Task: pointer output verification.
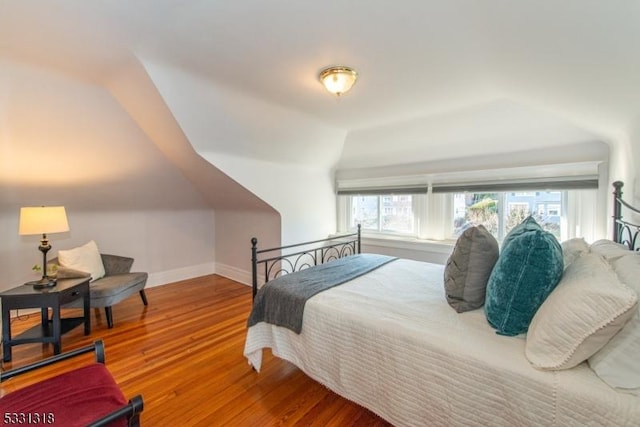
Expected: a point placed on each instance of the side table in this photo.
(48, 331)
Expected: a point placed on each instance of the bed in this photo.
(389, 340)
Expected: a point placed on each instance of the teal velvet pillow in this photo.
(527, 225)
(528, 269)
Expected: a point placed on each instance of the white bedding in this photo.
(390, 342)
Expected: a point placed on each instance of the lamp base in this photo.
(45, 282)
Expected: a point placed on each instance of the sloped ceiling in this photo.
(433, 74)
(55, 144)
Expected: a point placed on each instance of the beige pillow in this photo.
(587, 308)
(572, 249)
(609, 249)
(617, 362)
(627, 268)
(83, 258)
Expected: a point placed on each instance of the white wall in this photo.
(633, 186)
(282, 156)
(234, 231)
(170, 245)
(221, 119)
(67, 142)
(491, 128)
(87, 147)
(303, 196)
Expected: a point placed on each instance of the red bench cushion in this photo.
(74, 398)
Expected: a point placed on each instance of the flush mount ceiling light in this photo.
(338, 80)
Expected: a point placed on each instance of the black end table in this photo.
(49, 331)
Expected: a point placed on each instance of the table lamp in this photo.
(43, 220)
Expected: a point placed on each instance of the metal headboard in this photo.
(624, 232)
(301, 255)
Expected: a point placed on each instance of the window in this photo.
(364, 211)
(518, 209)
(385, 213)
(475, 209)
(486, 209)
(442, 214)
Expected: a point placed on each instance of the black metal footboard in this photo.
(624, 232)
(275, 262)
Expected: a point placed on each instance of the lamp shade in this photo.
(42, 220)
(338, 80)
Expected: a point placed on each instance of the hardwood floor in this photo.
(183, 353)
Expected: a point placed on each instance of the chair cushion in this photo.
(111, 290)
(74, 398)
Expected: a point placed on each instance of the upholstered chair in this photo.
(117, 284)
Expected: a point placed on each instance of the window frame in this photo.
(349, 221)
(433, 216)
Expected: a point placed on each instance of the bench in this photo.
(85, 396)
(117, 284)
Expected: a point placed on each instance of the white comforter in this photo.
(390, 342)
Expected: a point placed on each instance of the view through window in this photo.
(443, 216)
(500, 212)
(389, 213)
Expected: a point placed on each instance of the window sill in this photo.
(409, 243)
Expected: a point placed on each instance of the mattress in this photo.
(390, 342)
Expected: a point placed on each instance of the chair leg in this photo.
(107, 311)
(144, 297)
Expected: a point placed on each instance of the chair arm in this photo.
(132, 411)
(97, 346)
(116, 264)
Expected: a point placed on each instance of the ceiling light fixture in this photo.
(338, 80)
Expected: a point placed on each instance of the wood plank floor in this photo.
(183, 353)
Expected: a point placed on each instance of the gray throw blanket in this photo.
(281, 301)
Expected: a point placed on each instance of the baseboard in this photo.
(234, 273)
(183, 273)
(169, 276)
(163, 278)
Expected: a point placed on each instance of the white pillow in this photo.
(617, 362)
(609, 249)
(587, 308)
(83, 258)
(572, 249)
(627, 268)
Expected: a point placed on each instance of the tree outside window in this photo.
(484, 209)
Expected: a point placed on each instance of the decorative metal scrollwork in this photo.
(286, 263)
(628, 235)
(624, 232)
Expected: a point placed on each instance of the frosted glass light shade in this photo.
(338, 80)
(43, 220)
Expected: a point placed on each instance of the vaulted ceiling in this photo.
(437, 77)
